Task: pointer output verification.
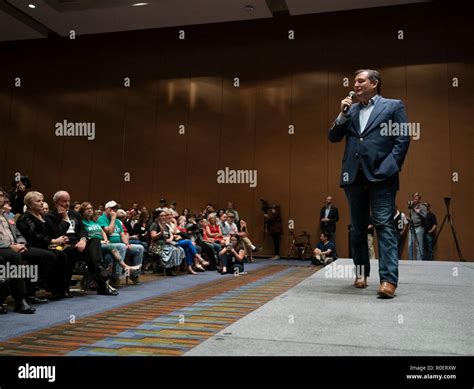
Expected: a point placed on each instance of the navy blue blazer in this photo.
(380, 155)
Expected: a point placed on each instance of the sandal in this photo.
(198, 267)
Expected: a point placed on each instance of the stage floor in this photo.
(432, 314)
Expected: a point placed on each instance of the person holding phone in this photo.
(232, 256)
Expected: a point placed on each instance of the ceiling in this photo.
(18, 21)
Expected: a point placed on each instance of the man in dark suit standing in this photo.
(377, 140)
(328, 217)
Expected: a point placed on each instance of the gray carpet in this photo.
(431, 315)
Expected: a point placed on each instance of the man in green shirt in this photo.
(114, 229)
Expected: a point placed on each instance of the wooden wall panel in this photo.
(169, 166)
(273, 116)
(6, 86)
(23, 118)
(237, 133)
(48, 157)
(205, 121)
(140, 125)
(309, 151)
(106, 164)
(461, 146)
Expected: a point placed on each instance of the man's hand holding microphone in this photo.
(346, 103)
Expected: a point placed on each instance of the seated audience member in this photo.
(130, 219)
(141, 227)
(196, 234)
(244, 235)
(213, 230)
(7, 208)
(76, 205)
(224, 227)
(191, 235)
(61, 221)
(216, 245)
(14, 249)
(192, 256)
(3, 289)
(136, 208)
(173, 210)
(15, 286)
(132, 238)
(110, 251)
(234, 230)
(325, 251)
(162, 244)
(232, 256)
(33, 227)
(113, 227)
(230, 209)
(96, 215)
(208, 210)
(186, 213)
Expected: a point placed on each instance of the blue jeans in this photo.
(417, 240)
(379, 197)
(136, 241)
(429, 238)
(136, 252)
(108, 257)
(189, 250)
(227, 262)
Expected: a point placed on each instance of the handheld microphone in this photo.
(346, 107)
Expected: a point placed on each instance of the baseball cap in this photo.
(111, 204)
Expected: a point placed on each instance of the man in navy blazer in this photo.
(377, 140)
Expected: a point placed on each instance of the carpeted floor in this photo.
(164, 324)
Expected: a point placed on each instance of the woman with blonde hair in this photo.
(33, 228)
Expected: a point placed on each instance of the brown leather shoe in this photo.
(360, 282)
(386, 290)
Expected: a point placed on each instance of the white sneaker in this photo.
(275, 257)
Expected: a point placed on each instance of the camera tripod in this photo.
(447, 201)
(415, 243)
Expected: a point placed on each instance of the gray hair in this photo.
(58, 195)
(121, 213)
(373, 75)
